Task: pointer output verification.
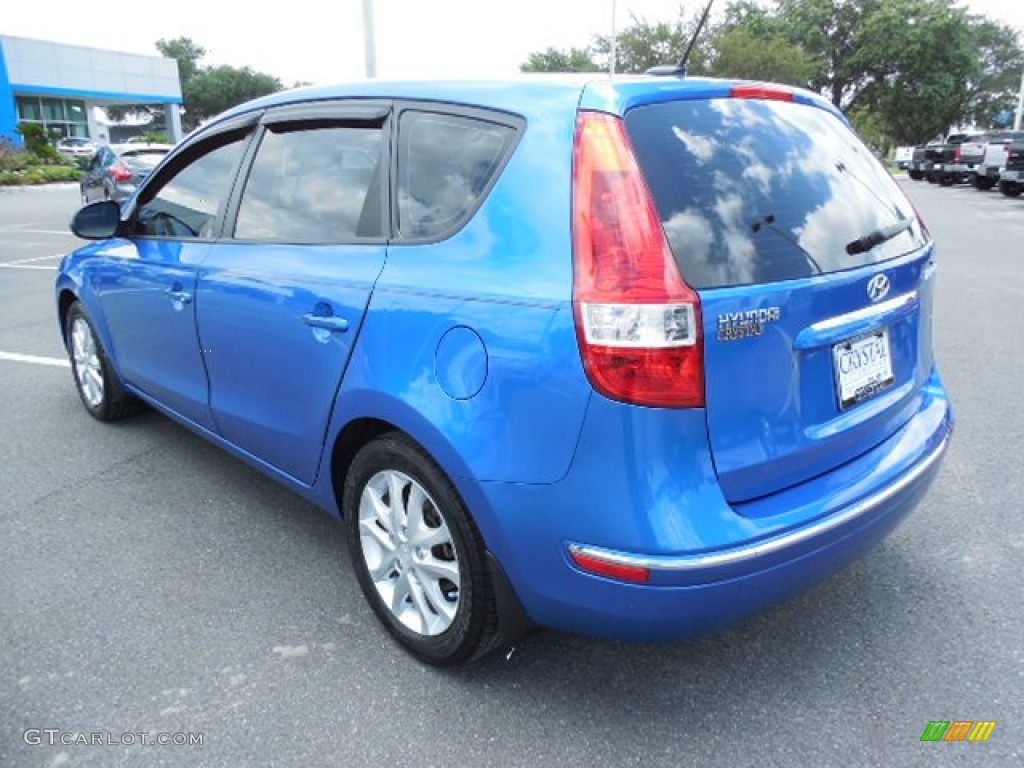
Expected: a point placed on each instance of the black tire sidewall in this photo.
(460, 642)
(106, 410)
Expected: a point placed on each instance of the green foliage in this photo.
(186, 52)
(554, 60)
(644, 44)
(156, 137)
(205, 91)
(214, 89)
(903, 70)
(34, 136)
(20, 166)
(40, 174)
(742, 53)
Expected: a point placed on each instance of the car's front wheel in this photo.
(417, 553)
(97, 383)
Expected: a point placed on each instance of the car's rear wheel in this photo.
(417, 553)
(1010, 188)
(984, 182)
(947, 179)
(916, 175)
(97, 383)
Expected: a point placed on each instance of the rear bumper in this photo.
(1011, 175)
(710, 564)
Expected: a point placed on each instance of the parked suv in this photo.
(633, 358)
(993, 159)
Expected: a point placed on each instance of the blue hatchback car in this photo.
(626, 357)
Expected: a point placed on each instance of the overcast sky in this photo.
(300, 40)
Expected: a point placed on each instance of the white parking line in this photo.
(28, 266)
(29, 261)
(14, 357)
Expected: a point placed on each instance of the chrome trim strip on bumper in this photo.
(767, 546)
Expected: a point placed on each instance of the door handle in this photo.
(184, 297)
(329, 322)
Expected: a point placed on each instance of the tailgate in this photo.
(804, 376)
(813, 272)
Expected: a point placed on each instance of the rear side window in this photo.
(753, 191)
(445, 163)
(313, 185)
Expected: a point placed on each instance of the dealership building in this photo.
(62, 87)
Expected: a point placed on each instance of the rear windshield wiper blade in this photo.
(878, 236)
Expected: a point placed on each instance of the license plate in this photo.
(863, 367)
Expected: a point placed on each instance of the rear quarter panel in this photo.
(505, 277)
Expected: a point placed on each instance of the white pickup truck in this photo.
(987, 170)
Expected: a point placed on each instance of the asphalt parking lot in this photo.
(149, 583)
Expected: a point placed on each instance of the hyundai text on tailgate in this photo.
(633, 358)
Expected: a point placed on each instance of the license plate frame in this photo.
(863, 367)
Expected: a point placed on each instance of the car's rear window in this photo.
(753, 191)
(144, 159)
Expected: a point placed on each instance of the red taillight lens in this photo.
(637, 322)
(120, 172)
(956, 153)
(761, 92)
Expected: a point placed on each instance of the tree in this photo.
(215, 89)
(644, 44)
(996, 82)
(205, 91)
(554, 60)
(741, 53)
(186, 52)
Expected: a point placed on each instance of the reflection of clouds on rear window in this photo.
(753, 191)
(701, 147)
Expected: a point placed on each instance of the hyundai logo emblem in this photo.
(878, 287)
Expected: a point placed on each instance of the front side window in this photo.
(313, 185)
(187, 204)
(445, 163)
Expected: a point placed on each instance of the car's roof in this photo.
(529, 94)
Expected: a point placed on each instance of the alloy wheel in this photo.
(409, 552)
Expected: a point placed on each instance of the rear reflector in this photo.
(618, 571)
(637, 322)
(761, 92)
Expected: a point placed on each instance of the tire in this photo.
(916, 175)
(931, 178)
(1010, 188)
(95, 379)
(947, 179)
(411, 588)
(984, 183)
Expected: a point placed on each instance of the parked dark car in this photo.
(116, 170)
(627, 357)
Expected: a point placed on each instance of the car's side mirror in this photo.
(97, 221)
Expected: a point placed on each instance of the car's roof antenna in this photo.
(679, 70)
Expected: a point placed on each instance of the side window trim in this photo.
(173, 166)
(356, 111)
(183, 154)
(508, 119)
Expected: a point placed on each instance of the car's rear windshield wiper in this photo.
(878, 236)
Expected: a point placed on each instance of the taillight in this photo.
(120, 172)
(956, 153)
(637, 322)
